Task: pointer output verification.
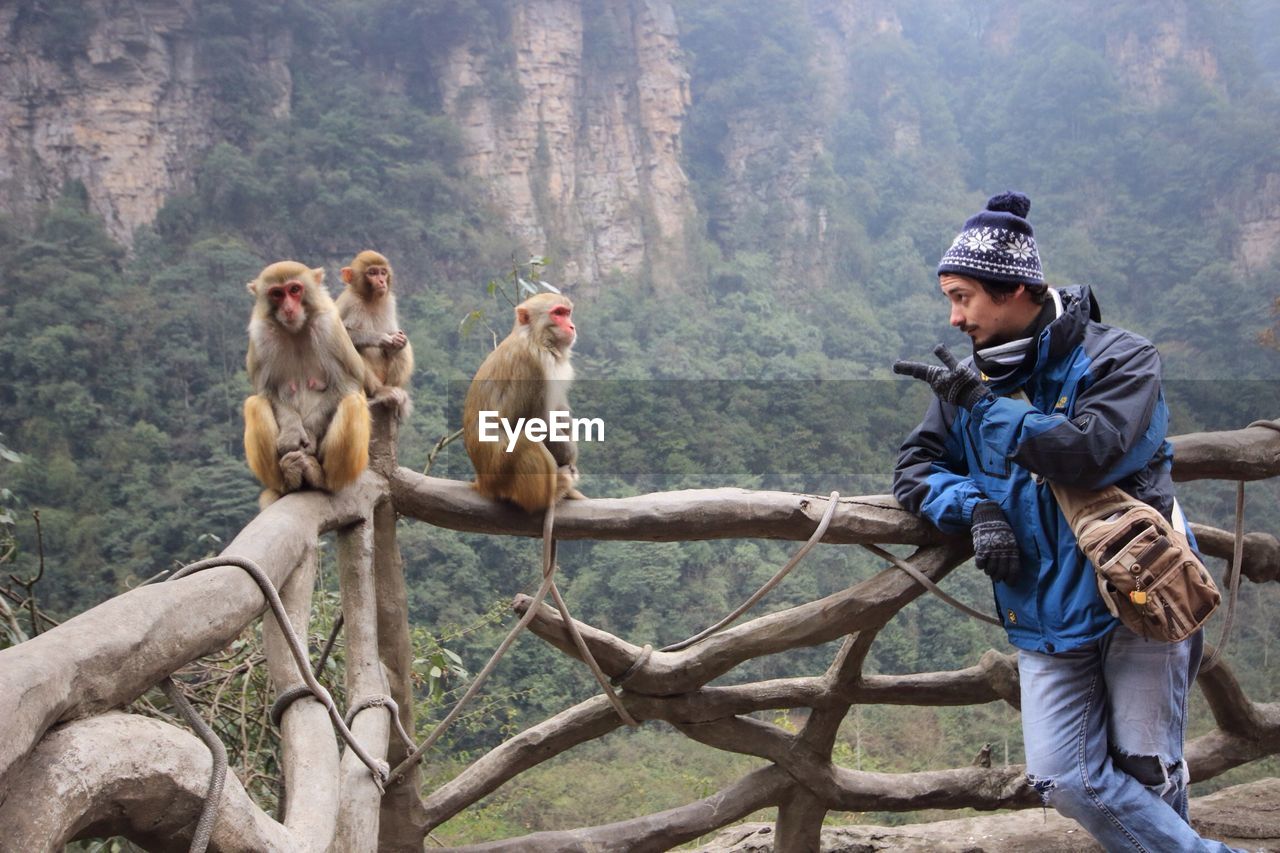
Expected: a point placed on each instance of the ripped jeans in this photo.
(1103, 726)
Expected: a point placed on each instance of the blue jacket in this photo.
(1097, 417)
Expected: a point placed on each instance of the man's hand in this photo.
(953, 384)
(995, 549)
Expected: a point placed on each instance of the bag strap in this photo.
(1075, 503)
(1233, 581)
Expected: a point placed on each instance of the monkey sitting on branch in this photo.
(307, 422)
(526, 377)
(368, 310)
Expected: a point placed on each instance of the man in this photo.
(1103, 709)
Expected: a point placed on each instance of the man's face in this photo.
(974, 311)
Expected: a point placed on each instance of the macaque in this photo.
(307, 422)
(368, 310)
(527, 376)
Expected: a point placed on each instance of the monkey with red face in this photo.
(368, 310)
(307, 422)
(527, 376)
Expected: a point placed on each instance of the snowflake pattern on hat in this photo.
(996, 244)
(994, 253)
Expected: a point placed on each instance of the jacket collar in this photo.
(1060, 337)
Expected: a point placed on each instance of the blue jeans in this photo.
(1103, 726)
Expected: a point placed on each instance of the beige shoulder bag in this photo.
(1149, 576)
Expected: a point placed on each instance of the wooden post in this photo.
(360, 800)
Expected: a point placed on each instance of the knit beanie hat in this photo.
(996, 244)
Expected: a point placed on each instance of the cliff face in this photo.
(126, 113)
(572, 116)
(578, 135)
(770, 156)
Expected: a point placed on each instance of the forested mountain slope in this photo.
(746, 199)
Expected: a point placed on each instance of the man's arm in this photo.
(931, 477)
(1118, 422)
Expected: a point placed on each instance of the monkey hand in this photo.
(953, 383)
(292, 469)
(396, 398)
(567, 476)
(394, 340)
(293, 440)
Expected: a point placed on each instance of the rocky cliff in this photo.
(577, 133)
(572, 116)
(116, 97)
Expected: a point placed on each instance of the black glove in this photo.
(953, 384)
(995, 550)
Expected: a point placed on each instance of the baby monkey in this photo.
(368, 310)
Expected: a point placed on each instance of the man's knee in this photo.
(1059, 793)
(1158, 774)
(1147, 769)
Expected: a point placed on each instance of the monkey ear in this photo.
(347, 273)
(317, 275)
(522, 316)
(252, 287)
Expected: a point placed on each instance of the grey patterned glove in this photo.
(953, 384)
(995, 549)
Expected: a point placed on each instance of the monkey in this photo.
(307, 422)
(527, 376)
(368, 310)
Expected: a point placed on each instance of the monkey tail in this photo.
(398, 367)
(534, 482)
(344, 452)
(260, 432)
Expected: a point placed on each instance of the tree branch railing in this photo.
(72, 765)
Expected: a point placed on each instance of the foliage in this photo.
(513, 287)
(121, 373)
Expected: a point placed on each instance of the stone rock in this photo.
(1244, 816)
(128, 116)
(583, 157)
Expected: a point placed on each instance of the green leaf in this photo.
(469, 321)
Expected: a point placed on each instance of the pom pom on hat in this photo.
(996, 244)
(1010, 202)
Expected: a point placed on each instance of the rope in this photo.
(636, 665)
(1233, 579)
(548, 578)
(924, 581)
(284, 700)
(377, 767)
(213, 794)
(589, 659)
(382, 701)
(769, 585)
